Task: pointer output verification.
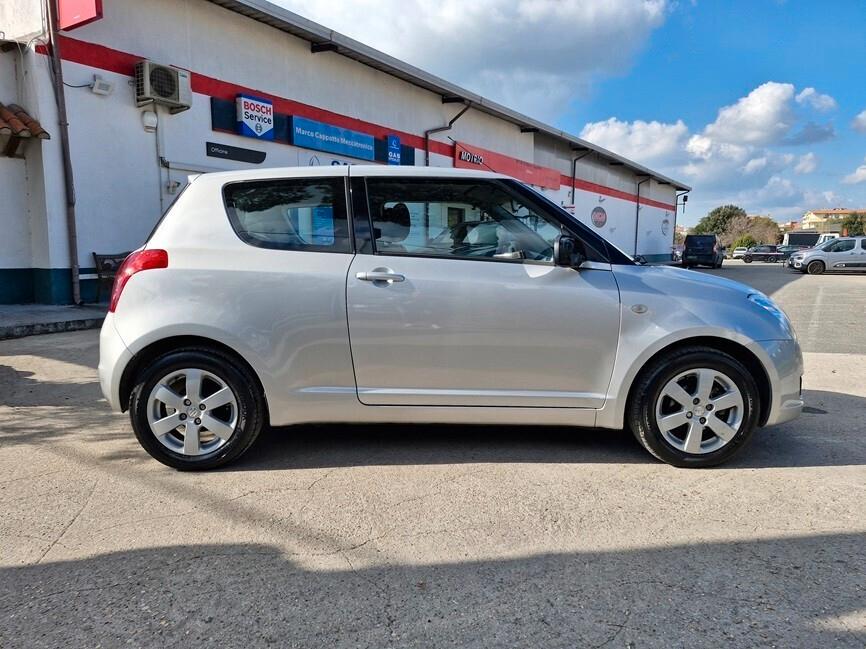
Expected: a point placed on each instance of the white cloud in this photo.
(816, 100)
(807, 164)
(859, 123)
(764, 116)
(857, 176)
(647, 141)
(528, 54)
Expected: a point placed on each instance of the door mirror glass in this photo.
(566, 252)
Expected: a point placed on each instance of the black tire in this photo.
(815, 267)
(747, 259)
(250, 406)
(640, 411)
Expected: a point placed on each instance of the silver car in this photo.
(375, 294)
(843, 254)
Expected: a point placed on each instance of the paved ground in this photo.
(437, 536)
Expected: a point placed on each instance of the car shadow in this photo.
(829, 433)
(793, 591)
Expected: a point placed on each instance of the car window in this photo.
(841, 245)
(453, 217)
(290, 213)
(863, 243)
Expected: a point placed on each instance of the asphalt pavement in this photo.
(430, 536)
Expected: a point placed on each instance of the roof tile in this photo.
(15, 121)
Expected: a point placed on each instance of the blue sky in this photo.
(751, 102)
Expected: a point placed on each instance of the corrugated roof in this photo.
(291, 23)
(15, 121)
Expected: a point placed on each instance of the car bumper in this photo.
(785, 370)
(113, 358)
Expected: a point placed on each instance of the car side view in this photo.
(766, 253)
(842, 254)
(382, 294)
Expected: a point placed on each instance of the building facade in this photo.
(827, 221)
(265, 88)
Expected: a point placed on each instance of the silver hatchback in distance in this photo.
(375, 294)
(843, 254)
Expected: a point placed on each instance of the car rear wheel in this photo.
(696, 407)
(195, 409)
(815, 267)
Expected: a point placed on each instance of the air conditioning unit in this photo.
(162, 84)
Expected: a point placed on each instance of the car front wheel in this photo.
(747, 259)
(196, 409)
(815, 267)
(696, 407)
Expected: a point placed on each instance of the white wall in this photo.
(20, 20)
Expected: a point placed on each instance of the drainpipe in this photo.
(63, 124)
(637, 212)
(440, 129)
(676, 205)
(574, 162)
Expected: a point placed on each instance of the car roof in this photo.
(351, 170)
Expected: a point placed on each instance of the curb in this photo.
(36, 329)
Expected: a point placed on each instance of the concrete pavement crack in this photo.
(74, 518)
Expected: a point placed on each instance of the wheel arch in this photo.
(166, 345)
(730, 347)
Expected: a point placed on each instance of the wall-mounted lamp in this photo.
(149, 120)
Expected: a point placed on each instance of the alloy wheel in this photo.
(699, 411)
(192, 412)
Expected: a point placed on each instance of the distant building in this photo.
(790, 225)
(827, 220)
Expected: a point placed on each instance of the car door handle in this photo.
(380, 276)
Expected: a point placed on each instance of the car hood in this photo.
(674, 280)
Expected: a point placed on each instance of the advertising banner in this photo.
(473, 157)
(393, 150)
(255, 117)
(332, 139)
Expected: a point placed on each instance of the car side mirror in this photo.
(565, 252)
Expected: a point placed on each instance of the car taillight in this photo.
(137, 261)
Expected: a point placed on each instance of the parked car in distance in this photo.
(787, 251)
(842, 254)
(420, 295)
(739, 251)
(703, 250)
(762, 253)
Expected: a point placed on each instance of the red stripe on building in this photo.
(111, 60)
(587, 186)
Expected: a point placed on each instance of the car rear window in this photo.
(306, 214)
(700, 241)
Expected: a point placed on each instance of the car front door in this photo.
(842, 254)
(455, 300)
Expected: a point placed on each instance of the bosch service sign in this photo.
(255, 117)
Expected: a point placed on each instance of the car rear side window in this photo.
(306, 214)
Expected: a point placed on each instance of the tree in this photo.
(759, 229)
(764, 229)
(745, 241)
(716, 222)
(854, 225)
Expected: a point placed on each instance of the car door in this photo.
(455, 300)
(842, 254)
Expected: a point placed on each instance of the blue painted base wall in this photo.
(46, 286)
